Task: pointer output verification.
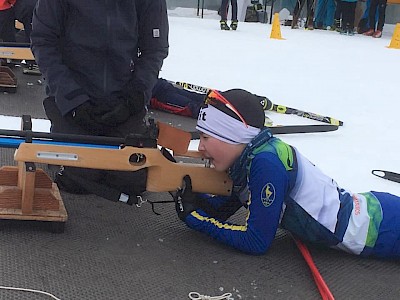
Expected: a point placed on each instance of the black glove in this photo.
(185, 199)
(96, 116)
(84, 115)
(126, 106)
(133, 98)
(115, 115)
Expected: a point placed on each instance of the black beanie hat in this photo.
(247, 104)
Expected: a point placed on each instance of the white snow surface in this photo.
(351, 78)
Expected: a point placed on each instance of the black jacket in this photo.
(88, 48)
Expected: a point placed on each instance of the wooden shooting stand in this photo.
(8, 81)
(28, 193)
(19, 51)
(16, 51)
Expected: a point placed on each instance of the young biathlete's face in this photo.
(222, 155)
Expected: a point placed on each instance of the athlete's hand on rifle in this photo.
(185, 199)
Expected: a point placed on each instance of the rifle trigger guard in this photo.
(140, 201)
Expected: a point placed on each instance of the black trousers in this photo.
(338, 11)
(224, 9)
(348, 14)
(299, 7)
(180, 97)
(381, 6)
(23, 10)
(7, 25)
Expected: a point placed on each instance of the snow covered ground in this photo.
(352, 78)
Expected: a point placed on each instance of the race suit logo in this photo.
(268, 195)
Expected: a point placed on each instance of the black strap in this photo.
(102, 190)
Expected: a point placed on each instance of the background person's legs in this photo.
(7, 25)
(23, 13)
(224, 12)
(382, 12)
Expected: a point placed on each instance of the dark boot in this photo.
(234, 24)
(224, 25)
(337, 25)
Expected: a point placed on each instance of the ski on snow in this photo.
(292, 129)
(268, 105)
(392, 176)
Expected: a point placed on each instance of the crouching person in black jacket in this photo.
(100, 61)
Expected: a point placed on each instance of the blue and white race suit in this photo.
(285, 189)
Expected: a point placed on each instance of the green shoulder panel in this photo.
(279, 148)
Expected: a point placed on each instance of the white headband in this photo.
(223, 127)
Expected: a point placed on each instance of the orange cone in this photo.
(395, 43)
(276, 28)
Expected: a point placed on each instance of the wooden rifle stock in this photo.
(163, 175)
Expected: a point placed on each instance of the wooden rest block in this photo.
(9, 177)
(8, 80)
(46, 205)
(173, 138)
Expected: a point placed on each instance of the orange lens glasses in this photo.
(216, 99)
